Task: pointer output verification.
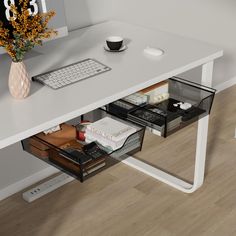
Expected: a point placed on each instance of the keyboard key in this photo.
(72, 73)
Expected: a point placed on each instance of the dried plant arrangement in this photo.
(26, 30)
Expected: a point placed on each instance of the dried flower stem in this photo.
(28, 31)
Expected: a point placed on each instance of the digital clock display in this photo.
(6, 14)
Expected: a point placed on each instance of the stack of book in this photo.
(109, 132)
(93, 166)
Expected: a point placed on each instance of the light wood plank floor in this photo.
(122, 201)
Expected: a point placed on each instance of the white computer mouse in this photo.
(153, 51)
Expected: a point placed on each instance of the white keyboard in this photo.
(72, 73)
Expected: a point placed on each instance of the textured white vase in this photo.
(19, 81)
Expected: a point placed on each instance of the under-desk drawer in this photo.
(182, 103)
(80, 159)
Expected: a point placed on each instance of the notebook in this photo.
(109, 145)
(110, 129)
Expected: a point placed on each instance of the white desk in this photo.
(131, 71)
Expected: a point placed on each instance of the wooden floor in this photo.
(122, 201)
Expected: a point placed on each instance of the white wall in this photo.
(19, 170)
(208, 20)
(81, 13)
(212, 21)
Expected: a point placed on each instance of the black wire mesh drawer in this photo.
(80, 159)
(183, 103)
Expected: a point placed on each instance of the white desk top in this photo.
(131, 71)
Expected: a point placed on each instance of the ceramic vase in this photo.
(19, 81)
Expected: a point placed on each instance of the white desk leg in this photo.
(202, 134)
(200, 151)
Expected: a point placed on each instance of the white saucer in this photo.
(123, 48)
